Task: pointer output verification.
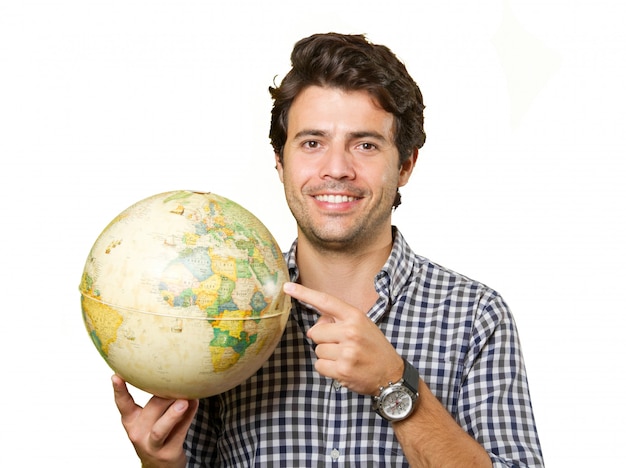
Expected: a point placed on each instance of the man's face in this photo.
(341, 168)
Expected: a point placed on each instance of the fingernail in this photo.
(289, 287)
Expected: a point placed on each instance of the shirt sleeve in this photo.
(494, 405)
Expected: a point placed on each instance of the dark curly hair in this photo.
(352, 63)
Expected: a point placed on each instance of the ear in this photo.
(279, 167)
(406, 168)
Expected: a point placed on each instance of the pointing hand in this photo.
(350, 347)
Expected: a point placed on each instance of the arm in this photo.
(352, 350)
(493, 401)
(430, 437)
(158, 430)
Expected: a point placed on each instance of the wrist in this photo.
(398, 400)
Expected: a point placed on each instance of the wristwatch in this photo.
(398, 400)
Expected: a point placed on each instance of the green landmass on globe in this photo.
(182, 294)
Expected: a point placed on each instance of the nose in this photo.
(337, 163)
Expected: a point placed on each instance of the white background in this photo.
(520, 184)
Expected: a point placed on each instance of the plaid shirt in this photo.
(458, 333)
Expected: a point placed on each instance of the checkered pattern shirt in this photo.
(458, 333)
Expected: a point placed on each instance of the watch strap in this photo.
(410, 376)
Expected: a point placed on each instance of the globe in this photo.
(182, 296)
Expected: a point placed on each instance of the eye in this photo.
(311, 144)
(368, 146)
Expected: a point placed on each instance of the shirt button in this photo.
(336, 385)
(334, 454)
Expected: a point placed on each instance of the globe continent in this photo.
(182, 294)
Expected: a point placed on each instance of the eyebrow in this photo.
(351, 135)
(309, 132)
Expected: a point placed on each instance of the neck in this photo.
(346, 275)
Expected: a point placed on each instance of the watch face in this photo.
(397, 404)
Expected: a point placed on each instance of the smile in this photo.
(334, 198)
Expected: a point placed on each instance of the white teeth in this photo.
(334, 198)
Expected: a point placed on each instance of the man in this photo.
(388, 359)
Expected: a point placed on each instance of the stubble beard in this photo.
(336, 237)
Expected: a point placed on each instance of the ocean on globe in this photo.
(182, 294)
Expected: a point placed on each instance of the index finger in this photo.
(325, 304)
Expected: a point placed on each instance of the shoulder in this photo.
(437, 286)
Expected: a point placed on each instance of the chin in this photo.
(336, 241)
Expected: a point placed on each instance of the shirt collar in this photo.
(290, 258)
(398, 268)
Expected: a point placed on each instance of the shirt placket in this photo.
(336, 424)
